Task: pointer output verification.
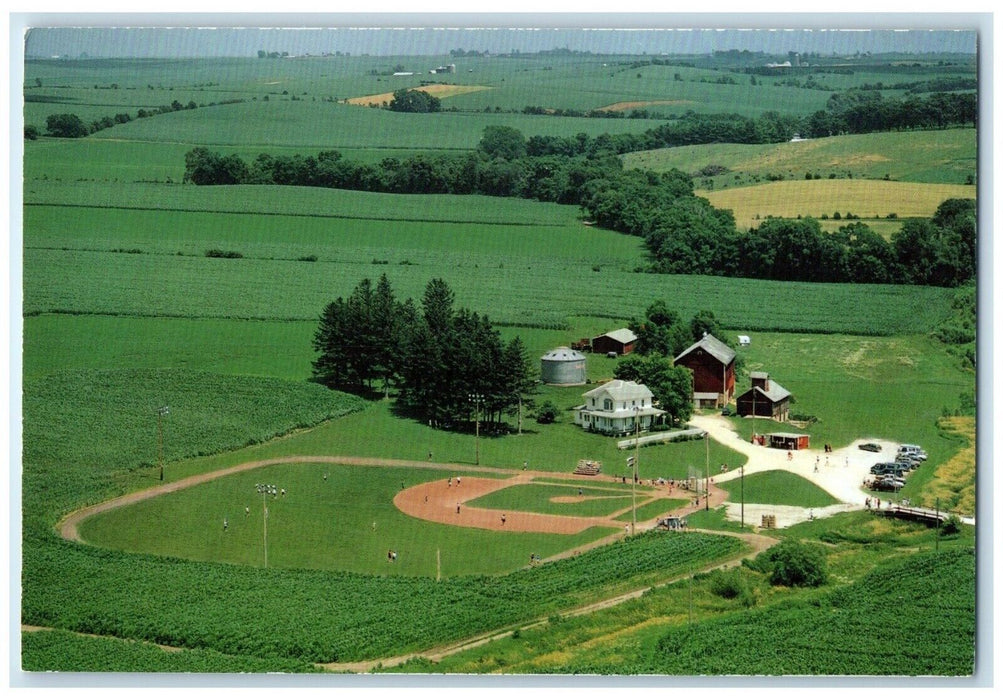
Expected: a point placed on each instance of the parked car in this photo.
(870, 446)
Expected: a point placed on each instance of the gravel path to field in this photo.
(841, 472)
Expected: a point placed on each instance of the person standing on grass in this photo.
(226, 524)
(247, 510)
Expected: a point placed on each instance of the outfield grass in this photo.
(318, 524)
(933, 157)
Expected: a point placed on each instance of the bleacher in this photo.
(588, 467)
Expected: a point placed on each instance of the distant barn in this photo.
(620, 341)
(713, 366)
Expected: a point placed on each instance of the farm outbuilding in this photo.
(563, 366)
(787, 441)
(713, 365)
(620, 341)
(765, 399)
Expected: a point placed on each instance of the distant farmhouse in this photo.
(713, 366)
(620, 341)
(766, 399)
(618, 407)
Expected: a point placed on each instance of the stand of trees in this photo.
(437, 357)
(683, 233)
(407, 100)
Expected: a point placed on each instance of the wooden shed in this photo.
(620, 341)
(713, 366)
(765, 399)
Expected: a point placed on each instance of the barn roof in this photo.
(714, 347)
(621, 390)
(621, 335)
(775, 393)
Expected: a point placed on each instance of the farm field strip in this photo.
(934, 157)
(146, 285)
(790, 199)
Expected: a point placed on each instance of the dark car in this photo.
(871, 446)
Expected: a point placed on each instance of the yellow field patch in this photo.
(864, 198)
(624, 106)
(440, 91)
(954, 481)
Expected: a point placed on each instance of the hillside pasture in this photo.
(936, 157)
(815, 198)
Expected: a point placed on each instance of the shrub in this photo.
(217, 253)
(546, 413)
(796, 563)
(727, 583)
(951, 526)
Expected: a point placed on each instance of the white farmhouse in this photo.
(614, 407)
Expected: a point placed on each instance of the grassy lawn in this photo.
(780, 488)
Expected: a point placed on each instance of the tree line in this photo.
(683, 233)
(445, 363)
(71, 126)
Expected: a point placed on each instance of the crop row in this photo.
(913, 617)
(84, 427)
(65, 651)
(320, 616)
(81, 282)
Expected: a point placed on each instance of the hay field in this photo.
(440, 91)
(864, 198)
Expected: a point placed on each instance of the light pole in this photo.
(265, 490)
(742, 482)
(161, 412)
(637, 457)
(477, 400)
(706, 498)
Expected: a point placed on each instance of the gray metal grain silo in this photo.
(563, 366)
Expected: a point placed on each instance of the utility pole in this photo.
(161, 412)
(706, 500)
(637, 458)
(477, 400)
(936, 541)
(742, 483)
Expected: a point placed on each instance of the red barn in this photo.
(713, 366)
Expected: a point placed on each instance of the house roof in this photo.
(776, 392)
(621, 335)
(621, 390)
(759, 375)
(622, 413)
(714, 347)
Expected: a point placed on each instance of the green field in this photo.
(123, 313)
(779, 488)
(319, 524)
(935, 157)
